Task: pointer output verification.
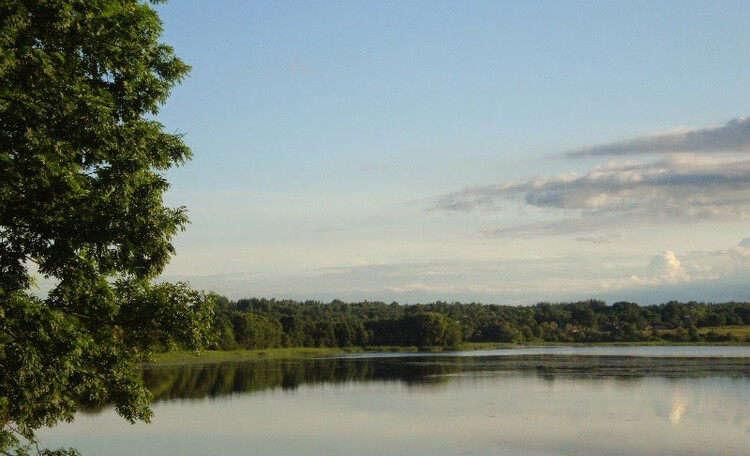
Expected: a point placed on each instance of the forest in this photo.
(268, 323)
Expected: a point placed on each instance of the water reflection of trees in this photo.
(213, 380)
(201, 381)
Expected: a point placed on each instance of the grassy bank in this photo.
(189, 357)
(738, 331)
(213, 356)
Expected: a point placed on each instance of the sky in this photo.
(497, 152)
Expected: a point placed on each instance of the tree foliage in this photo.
(339, 324)
(81, 185)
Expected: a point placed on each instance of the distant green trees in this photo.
(256, 331)
(432, 328)
(264, 323)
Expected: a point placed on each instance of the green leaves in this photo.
(163, 316)
(78, 162)
(81, 198)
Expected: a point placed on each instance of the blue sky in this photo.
(415, 151)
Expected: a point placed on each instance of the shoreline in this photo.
(219, 356)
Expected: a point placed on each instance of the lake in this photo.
(527, 401)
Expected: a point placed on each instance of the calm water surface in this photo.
(530, 401)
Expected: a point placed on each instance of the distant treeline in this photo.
(268, 323)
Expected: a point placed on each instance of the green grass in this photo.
(739, 331)
(189, 357)
(213, 356)
(496, 345)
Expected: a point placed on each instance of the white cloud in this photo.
(598, 240)
(667, 265)
(438, 289)
(707, 275)
(741, 251)
(664, 268)
(734, 136)
(678, 189)
(690, 184)
(687, 185)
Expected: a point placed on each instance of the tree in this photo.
(254, 331)
(81, 190)
(432, 329)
